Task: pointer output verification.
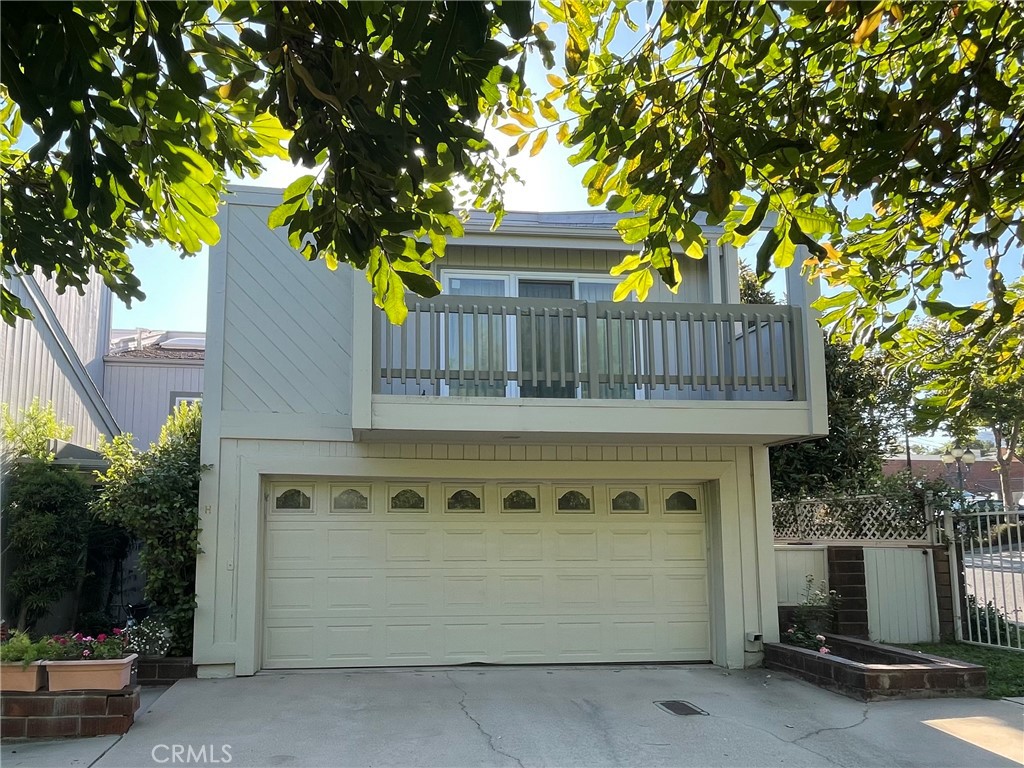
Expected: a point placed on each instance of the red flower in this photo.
(77, 636)
(100, 638)
(117, 630)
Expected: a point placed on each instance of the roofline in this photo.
(479, 226)
(127, 360)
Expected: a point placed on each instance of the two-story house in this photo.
(523, 472)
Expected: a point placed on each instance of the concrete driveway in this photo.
(556, 716)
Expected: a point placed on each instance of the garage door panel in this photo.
(350, 643)
(464, 546)
(404, 545)
(349, 592)
(678, 543)
(436, 587)
(411, 642)
(292, 547)
(351, 546)
(685, 590)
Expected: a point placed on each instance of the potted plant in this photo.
(80, 662)
(20, 669)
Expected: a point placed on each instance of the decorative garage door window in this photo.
(574, 500)
(519, 499)
(293, 499)
(409, 499)
(628, 500)
(681, 501)
(464, 499)
(350, 498)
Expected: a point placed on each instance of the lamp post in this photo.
(963, 460)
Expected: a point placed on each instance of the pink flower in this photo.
(823, 649)
(117, 630)
(101, 638)
(86, 654)
(77, 636)
(88, 639)
(62, 640)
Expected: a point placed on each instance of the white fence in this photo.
(792, 567)
(899, 573)
(993, 572)
(902, 606)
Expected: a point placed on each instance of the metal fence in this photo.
(992, 564)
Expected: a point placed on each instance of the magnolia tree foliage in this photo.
(799, 116)
(796, 116)
(138, 111)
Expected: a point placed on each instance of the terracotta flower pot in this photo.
(17, 677)
(90, 675)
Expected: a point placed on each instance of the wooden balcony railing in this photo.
(525, 348)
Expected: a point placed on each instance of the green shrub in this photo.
(46, 522)
(990, 625)
(31, 432)
(155, 495)
(20, 648)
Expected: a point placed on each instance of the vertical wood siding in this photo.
(287, 328)
(900, 596)
(139, 394)
(792, 567)
(30, 368)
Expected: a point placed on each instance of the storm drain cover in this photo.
(680, 708)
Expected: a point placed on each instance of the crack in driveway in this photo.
(490, 739)
(863, 719)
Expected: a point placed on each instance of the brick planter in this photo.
(165, 670)
(48, 714)
(873, 672)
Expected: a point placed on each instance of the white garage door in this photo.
(416, 573)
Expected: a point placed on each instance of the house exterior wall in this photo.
(228, 590)
(288, 376)
(36, 362)
(279, 333)
(141, 393)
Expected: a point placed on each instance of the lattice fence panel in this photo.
(851, 518)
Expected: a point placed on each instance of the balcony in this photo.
(574, 350)
(498, 367)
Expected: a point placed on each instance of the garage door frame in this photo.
(309, 506)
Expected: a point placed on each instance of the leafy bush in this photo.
(155, 495)
(20, 648)
(46, 522)
(29, 434)
(990, 625)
